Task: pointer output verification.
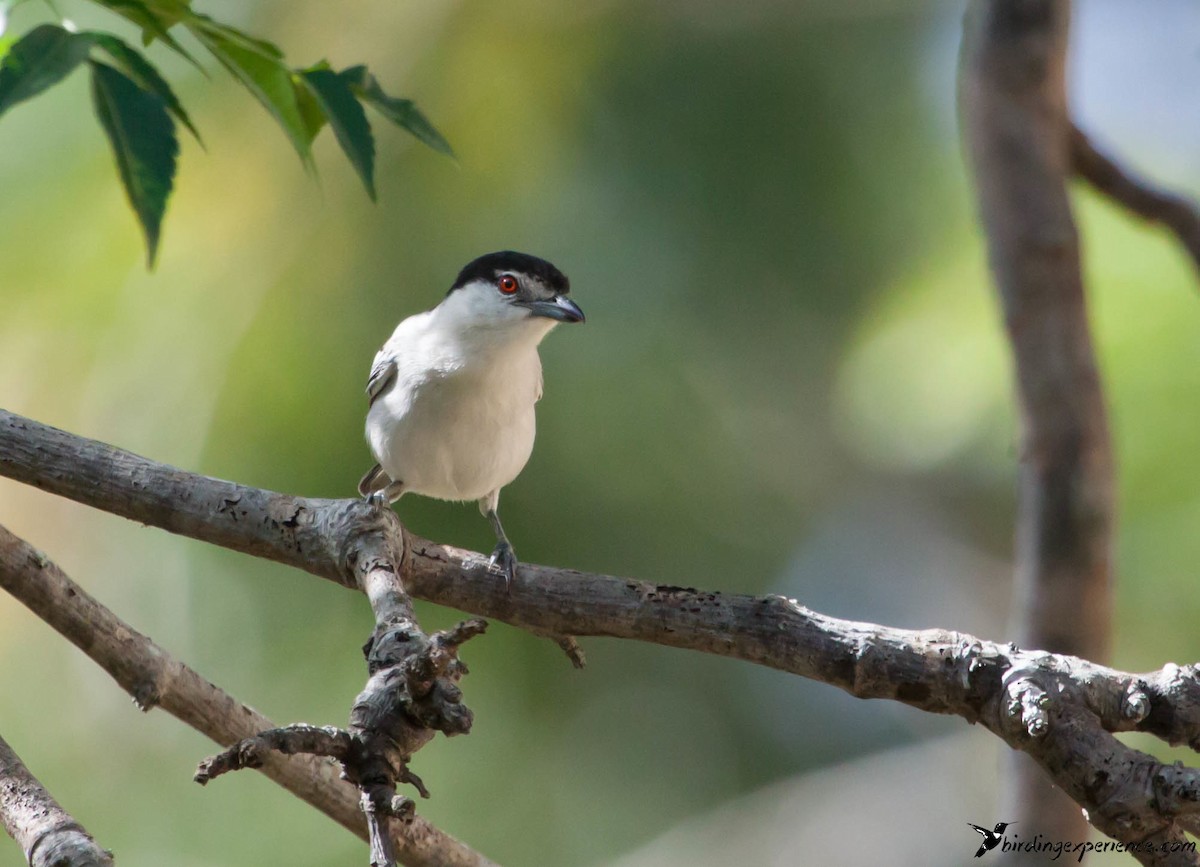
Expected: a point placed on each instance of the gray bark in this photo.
(1060, 710)
(46, 833)
(154, 678)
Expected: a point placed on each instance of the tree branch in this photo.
(1143, 199)
(154, 678)
(46, 833)
(1060, 710)
(347, 541)
(1015, 121)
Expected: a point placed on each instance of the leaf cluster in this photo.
(139, 111)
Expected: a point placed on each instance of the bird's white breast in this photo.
(458, 423)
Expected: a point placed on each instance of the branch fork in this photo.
(412, 689)
(411, 692)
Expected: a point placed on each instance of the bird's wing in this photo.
(383, 374)
(984, 831)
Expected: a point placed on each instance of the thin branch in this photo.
(295, 740)
(156, 679)
(1017, 131)
(1136, 194)
(46, 833)
(1060, 710)
(411, 692)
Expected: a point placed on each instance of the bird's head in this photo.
(509, 293)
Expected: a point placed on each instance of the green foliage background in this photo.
(792, 380)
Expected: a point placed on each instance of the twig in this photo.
(572, 649)
(156, 679)
(46, 833)
(1137, 195)
(295, 740)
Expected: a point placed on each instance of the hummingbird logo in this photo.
(991, 839)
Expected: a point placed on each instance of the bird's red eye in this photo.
(507, 284)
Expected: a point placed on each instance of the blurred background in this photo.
(792, 380)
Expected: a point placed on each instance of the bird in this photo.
(991, 839)
(451, 394)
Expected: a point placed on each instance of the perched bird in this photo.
(452, 391)
(991, 839)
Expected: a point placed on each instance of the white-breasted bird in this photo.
(452, 391)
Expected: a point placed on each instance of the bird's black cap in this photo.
(491, 265)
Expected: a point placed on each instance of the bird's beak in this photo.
(560, 308)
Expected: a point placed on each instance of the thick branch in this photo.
(1060, 710)
(154, 678)
(1014, 110)
(767, 630)
(1143, 199)
(46, 833)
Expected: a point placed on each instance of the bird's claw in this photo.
(376, 500)
(503, 562)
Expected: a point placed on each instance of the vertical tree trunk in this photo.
(1017, 129)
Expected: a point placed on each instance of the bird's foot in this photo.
(377, 500)
(504, 564)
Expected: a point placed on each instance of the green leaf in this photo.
(173, 11)
(402, 112)
(6, 42)
(261, 72)
(40, 59)
(154, 22)
(142, 136)
(137, 67)
(310, 110)
(197, 21)
(349, 121)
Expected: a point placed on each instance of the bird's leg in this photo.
(385, 496)
(504, 559)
